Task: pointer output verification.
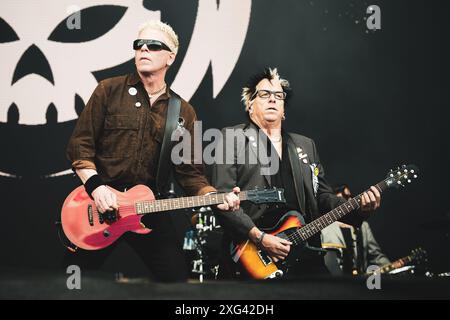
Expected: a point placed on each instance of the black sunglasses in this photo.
(152, 45)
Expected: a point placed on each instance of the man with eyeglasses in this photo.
(298, 171)
(117, 143)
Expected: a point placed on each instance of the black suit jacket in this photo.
(247, 168)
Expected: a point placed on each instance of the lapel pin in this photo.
(316, 171)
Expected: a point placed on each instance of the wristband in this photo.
(93, 183)
(260, 238)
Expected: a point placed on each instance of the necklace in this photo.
(151, 95)
(276, 140)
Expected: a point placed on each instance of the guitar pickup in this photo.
(264, 258)
(90, 215)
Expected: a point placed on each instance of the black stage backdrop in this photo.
(370, 100)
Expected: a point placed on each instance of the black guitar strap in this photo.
(164, 164)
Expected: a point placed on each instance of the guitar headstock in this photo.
(402, 176)
(419, 256)
(258, 196)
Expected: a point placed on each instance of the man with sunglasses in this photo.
(298, 171)
(117, 142)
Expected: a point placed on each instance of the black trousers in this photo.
(160, 250)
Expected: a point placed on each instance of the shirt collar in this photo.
(134, 79)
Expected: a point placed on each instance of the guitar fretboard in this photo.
(312, 228)
(145, 207)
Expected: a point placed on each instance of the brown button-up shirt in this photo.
(120, 135)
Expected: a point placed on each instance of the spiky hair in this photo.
(167, 29)
(270, 74)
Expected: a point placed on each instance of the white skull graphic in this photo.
(218, 37)
(71, 63)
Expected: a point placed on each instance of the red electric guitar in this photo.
(88, 229)
(257, 264)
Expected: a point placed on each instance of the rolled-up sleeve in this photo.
(81, 149)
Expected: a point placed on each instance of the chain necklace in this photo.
(151, 95)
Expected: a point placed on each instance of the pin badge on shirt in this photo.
(132, 91)
(302, 156)
(180, 125)
(138, 104)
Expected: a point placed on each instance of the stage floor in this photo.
(45, 285)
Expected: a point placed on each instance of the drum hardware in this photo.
(197, 241)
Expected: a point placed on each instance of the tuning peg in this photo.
(409, 180)
(415, 176)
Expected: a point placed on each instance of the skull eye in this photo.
(7, 33)
(90, 26)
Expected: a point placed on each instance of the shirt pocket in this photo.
(120, 136)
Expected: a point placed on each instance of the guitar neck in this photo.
(396, 264)
(146, 207)
(314, 227)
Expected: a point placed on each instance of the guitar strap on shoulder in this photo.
(164, 164)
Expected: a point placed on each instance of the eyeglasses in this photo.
(152, 45)
(265, 94)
